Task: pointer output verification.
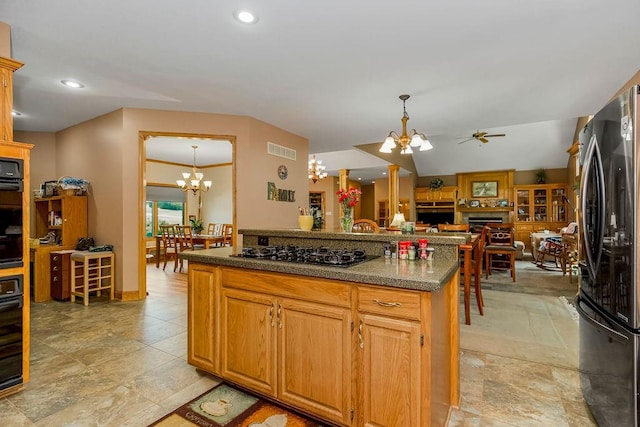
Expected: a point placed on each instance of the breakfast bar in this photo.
(373, 343)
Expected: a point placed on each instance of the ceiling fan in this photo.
(482, 137)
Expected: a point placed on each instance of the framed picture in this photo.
(484, 189)
(503, 203)
(474, 203)
(50, 188)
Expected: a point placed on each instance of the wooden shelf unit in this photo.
(539, 207)
(65, 215)
(91, 272)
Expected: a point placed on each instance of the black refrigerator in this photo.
(609, 297)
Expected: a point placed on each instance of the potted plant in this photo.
(436, 184)
(196, 225)
(541, 176)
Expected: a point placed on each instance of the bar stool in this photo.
(91, 272)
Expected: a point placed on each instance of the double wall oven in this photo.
(11, 286)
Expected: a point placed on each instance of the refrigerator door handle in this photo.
(592, 154)
(612, 334)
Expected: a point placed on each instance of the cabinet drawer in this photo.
(389, 302)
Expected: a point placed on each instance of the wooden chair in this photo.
(215, 229)
(227, 233)
(169, 244)
(365, 226)
(476, 271)
(500, 252)
(184, 234)
(459, 228)
(562, 250)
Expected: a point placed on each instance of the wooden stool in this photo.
(91, 272)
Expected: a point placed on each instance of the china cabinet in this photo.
(539, 207)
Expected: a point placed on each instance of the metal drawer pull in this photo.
(387, 304)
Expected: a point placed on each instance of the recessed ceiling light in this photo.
(384, 173)
(245, 17)
(72, 84)
(15, 113)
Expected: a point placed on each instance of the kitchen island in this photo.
(372, 344)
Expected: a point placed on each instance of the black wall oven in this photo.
(11, 303)
(11, 189)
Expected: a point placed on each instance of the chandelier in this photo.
(316, 170)
(404, 141)
(193, 180)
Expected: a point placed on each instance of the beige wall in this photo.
(105, 151)
(43, 161)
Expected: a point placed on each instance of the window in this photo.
(164, 205)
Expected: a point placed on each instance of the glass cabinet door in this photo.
(540, 204)
(524, 204)
(559, 207)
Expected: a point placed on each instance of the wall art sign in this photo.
(278, 194)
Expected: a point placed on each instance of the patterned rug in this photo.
(225, 405)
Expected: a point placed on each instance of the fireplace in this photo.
(477, 220)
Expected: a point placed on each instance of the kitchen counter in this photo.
(418, 275)
(375, 343)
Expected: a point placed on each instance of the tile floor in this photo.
(124, 364)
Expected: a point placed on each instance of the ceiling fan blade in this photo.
(495, 135)
(466, 140)
(484, 140)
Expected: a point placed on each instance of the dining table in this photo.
(470, 251)
(207, 240)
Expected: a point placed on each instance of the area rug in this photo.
(225, 405)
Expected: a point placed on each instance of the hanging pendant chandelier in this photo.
(193, 180)
(316, 170)
(405, 141)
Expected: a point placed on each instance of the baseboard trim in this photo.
(127, 296)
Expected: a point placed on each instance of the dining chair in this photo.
(216, 229)
(184, 234)
(499, 251)
(169, 243)
(476, 272)
(460, 228)
(364, 225)
(227, 233)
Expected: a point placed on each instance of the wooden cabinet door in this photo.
(248, 339)
(314, 358)
(390, 371)
(202, 294)
(6, 105)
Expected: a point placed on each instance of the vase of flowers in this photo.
(348, 199)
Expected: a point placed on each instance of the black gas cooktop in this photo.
(308, 255)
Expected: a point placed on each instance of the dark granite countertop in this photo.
(435, 238)
(418, 275)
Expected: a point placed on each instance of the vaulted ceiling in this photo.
(332, 71)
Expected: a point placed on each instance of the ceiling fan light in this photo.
(207, 184)
(181, 183)
(186, 175)
(416, 139)
(426, 145)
